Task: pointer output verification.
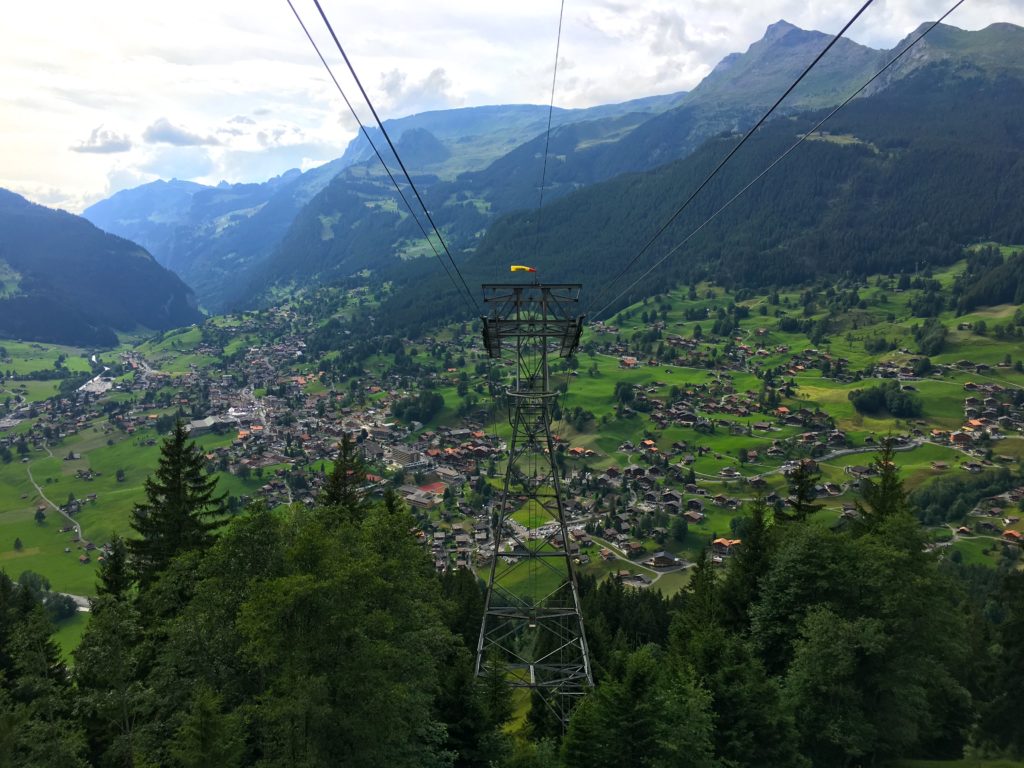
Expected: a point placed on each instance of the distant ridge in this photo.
(215, 238)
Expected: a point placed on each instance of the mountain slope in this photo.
(208, 234)
(477, 136)
(587, 152)
(68, 282)
(213, 236)
(242, 245)
(903, 178)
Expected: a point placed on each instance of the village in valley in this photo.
(666, 432)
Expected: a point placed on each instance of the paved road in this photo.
(909, 446)
(80, 600)
(658, 572)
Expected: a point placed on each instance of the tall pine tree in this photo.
(181, 511)
(803, 481)
(883, 498)
(115, 578)
(342, 496)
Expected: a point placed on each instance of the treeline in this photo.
(421, 407)
(989, 280)
(315, 637)
(323, 637)
(813, 648)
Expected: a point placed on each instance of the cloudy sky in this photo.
(101, 96)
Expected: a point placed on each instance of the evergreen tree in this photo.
(650, 714)
(751, 562)
(208, 736)
(803, 480)
(365, 587)
(882, 498)
(465, 596)
(751, 726)
(114, 700)
(342, 494)
(115, 577)
(37, 726)
(1000, 724)
(181, 509)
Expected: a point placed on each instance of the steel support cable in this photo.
(547, 136)
(362, 128)
(835, 39)
(398, 157)
(782, 157)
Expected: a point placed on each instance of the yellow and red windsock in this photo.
(521, 268)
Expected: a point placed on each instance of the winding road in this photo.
(80, 600)
(39, 490)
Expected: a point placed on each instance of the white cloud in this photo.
(164, 132)
(404, 96)
(104, 142)
(181, 162)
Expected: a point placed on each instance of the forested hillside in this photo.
(903, 178)
(323, 637)
(242, 244)
(990, 280)
(585, 146)
(217, 238)
(66, 281)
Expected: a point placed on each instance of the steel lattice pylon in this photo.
(532, 626)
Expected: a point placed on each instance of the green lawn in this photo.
(973, 550)
(671, 583)
(69, 633)
(26, 356)
(43, 547)
(530, 578)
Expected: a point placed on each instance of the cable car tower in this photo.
(532, 627)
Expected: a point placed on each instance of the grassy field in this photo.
(69, 634)
(53, 554)
(25, 357)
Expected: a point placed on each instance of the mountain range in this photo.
(341, 232)
(238, 245)
(213, 235)
(234, 242)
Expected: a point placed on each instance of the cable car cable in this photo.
(781, 157)
(547, 136)
(373, 146)
(391, 144)
(835, 39)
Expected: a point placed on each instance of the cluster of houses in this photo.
(284, 426)
(990, 410)
(998, 515)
